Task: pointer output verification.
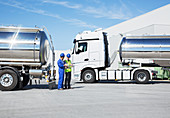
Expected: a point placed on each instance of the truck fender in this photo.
(142, 68)
(95, 71)
(13, 69)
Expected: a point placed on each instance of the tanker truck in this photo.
(25, 53)
(97, 56)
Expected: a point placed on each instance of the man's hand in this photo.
(66, 65)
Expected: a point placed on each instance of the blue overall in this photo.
(61, 73)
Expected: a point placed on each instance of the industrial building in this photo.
(155, 22)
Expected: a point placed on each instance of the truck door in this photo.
(80, 57)
(94, 54)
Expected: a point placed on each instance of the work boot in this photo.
(60, 89)
(69, 87)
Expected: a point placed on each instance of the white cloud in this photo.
(81, 23)
(111, 11)
(21, 6)
(94, 1)
(63, 3)
(76, 22)
(135, 7)
(101, 11)
(106, 13)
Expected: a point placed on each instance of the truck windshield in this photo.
(74, 48)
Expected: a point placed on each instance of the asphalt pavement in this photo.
(100, 100)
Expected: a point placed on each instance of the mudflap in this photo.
(20, 85)
(52, 85)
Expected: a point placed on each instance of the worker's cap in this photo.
(68, 55)
(62, 55)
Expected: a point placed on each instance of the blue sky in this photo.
(65, 18)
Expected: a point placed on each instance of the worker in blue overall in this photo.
(61, 65)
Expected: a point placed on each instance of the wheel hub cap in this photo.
(88, 76)
(6, 80)
(141, 76)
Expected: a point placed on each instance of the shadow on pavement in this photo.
(39, 86)
(45, 86)
(126, 82)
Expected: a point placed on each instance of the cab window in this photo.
(82, 47)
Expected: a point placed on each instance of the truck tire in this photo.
(141, 76)
(8, 80)
(88, 76)
(26, 79)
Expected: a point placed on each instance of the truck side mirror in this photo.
(74, 41)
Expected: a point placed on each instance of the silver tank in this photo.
(146, 47)
(23, 45)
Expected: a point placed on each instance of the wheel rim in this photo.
(141, 76)
(88, 76)
(6, 80)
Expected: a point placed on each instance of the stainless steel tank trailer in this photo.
(25, 53)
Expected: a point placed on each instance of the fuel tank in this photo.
(146, 47)
(25, 45)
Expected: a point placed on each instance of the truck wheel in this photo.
(26, 79)
(141, 77)
(8, 80)
(88, 76)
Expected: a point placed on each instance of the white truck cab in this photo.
(97, 56)
(89, 54)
